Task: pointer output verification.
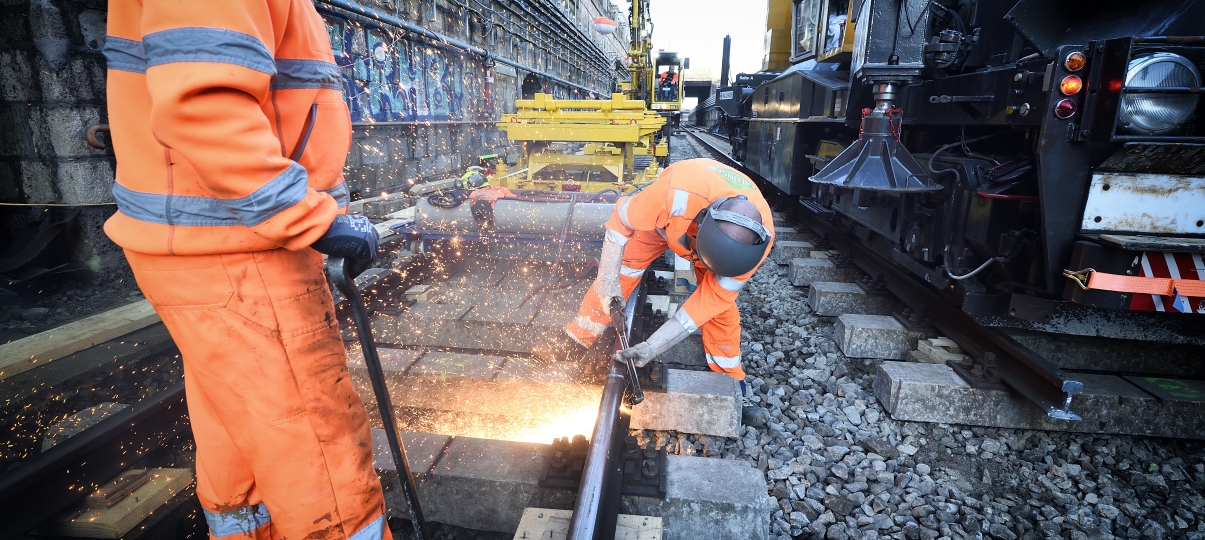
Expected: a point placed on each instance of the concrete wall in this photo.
(52, 87)
(421, 109)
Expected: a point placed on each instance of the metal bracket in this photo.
(643, 468)
(564, 469)
(652, 377)
(872, 285)
(1031, 308)
(980, 373)
(915, 322)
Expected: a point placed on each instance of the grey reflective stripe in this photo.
(630, 272)
(372, 531)
(124, 54)
(726, 362)
(292, 74)
(340, 194)
(280, 193)
(623, 212)
(242, 521)
(743, 221)
(614, 236)
(685, 320)
(679, 205)
(734, 285)
(196, 44)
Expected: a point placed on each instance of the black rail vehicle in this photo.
(986, 147)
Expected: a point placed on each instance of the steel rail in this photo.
(1018, 367)
(383, 18)
(591, 496)
(53, 480)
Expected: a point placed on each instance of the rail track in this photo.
(994, 358)
(40, 480)
(143, 367)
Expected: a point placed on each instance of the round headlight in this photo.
(1145, 112)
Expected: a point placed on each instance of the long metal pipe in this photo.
(376, 15)
(589, 496)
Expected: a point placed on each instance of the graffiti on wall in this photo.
(390, 78)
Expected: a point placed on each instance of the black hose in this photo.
(448, 199)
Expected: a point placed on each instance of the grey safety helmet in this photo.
(476, 180)
(719, 252)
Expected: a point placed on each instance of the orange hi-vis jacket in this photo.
(669, 207)
(228, 124)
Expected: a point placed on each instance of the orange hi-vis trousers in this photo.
(721, 334)
(283, 443)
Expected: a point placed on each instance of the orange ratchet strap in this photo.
(1091, 279)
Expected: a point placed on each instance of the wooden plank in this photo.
(117, 520)
(548, 524)
(26, 353)
(940, 350)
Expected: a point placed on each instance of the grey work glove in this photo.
(606, 285)
(662, 340)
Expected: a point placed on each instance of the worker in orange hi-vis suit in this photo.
(707, 213)
(230, 131)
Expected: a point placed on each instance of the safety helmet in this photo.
(475, 180)
(718, 251)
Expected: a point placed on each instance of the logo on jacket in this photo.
(735, 180)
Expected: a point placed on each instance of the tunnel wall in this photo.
(420, 108)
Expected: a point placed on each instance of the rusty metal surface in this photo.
(1145, 203)
(1166, 158)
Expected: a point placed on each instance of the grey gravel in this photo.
(34, 313)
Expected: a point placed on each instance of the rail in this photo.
(52, 481)
(596, 485)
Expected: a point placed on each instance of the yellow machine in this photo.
(657, 83)
(581, 145)
(598, 145)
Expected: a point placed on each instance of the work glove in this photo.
(350, 237)
(607, 289)
(640, 354)
(606, 285)
(662, 340)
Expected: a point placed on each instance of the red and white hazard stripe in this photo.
(1157, 264)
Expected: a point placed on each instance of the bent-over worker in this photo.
(230, 132)
(705, 212)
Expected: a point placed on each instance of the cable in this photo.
(972, 272)
(962, 142)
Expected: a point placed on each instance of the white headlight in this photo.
(1149, 113)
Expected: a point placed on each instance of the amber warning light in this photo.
(1075, 61)
(1071, 85)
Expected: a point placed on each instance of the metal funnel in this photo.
(877, 161)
